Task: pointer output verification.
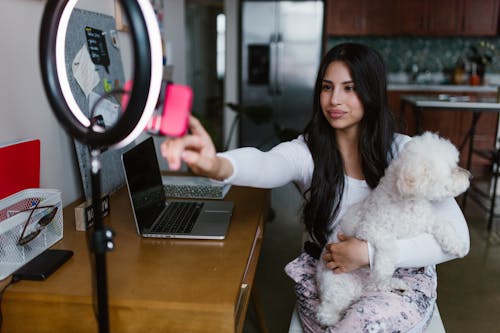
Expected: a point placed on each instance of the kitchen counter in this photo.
(433, 102)
(451, 115)
(442, 116)
(440, 87)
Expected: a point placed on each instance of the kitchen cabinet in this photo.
(412, 17)
(444, 17)
(345, 17)
(432, 18)
(360, 17)
(450, 124)
(380, 16)
(481, 17)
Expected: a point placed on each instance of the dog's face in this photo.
(428, 167)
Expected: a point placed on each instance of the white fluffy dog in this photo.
(399, 207)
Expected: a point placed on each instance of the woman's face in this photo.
(340, 103)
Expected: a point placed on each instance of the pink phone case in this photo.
(174, 119)
(176, 110)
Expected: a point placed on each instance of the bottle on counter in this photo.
(474, 79)
(459, 72)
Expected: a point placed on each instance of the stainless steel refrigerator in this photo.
(281, 46)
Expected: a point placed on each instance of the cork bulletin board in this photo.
(83, 36)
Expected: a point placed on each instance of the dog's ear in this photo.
(412, 178)
(406, 182)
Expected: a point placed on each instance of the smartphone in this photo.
(176, 110)
(173, 120)
(42, 266)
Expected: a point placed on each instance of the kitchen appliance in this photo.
(281, 50)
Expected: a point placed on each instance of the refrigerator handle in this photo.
(273, 47)
(278, 81)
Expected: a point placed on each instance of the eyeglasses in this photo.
(44, 221)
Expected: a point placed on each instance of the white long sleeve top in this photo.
(292, 162)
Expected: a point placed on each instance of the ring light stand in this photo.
(147, 71)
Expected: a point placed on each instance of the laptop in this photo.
(157, 217)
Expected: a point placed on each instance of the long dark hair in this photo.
(377, 127)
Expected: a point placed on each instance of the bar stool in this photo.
(435, 326)
(479, 194)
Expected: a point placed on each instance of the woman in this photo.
(339, 159)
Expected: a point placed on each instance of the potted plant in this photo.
(480, 55)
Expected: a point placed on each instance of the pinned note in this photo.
(107, 109)
(84, 71)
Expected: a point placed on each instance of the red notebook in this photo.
(19, 166)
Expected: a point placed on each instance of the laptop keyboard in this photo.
(178, 217)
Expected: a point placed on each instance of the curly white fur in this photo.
(399, 207)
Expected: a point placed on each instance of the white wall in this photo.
(175, 34)
(24, 108)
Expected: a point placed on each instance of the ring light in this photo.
(148, 57)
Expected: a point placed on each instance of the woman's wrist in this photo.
(223, 168)
(363, 253)
(370, 250)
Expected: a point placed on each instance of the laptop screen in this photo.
(144, 182)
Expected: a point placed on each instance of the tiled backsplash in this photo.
(431, 55)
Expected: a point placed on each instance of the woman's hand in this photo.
(347, 255)
(197, 151)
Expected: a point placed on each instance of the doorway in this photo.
(205, 50)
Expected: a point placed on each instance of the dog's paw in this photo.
(372, 286)
(379, 285)
(398, 285)
(327, 316)
(457, 248)
(462, 249)
(387, 285)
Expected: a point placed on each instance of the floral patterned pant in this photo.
(374, 312)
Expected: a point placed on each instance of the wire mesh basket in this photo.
(41, 230)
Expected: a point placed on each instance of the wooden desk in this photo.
(158, 285)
